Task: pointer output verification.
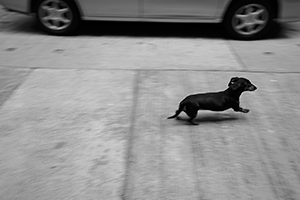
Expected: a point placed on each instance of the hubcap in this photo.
(250, 19)
(55, 14)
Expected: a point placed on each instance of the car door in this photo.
(180, 8)
(110, 8)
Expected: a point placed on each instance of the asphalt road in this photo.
(84, 117)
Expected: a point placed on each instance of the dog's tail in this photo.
(180, 109)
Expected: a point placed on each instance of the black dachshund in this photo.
(216, 101)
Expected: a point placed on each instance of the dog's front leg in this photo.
(243, 110)
(240, 109)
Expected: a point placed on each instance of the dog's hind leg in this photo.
(191, 111)
(191, 120)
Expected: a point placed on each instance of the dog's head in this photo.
(241, 84)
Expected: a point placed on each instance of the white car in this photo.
(242, 19)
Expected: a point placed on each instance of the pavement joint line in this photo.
(200, 192)
(258, 139)
(261, 141)
(236, 55)
(157, 70)
(16, 87)
(127, 188)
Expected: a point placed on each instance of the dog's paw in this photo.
(245, 110)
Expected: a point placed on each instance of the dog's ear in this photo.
(233, 80)
(235, 85)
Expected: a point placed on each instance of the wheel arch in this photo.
(33, 5)
(273, 3)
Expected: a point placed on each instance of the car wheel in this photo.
(249, 19)
(58, 17)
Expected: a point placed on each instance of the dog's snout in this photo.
(252, 88)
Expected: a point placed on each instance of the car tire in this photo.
(249, 19)
(58, 17)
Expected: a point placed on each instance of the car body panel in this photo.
(159, 10)
(116, 8)
(289, 10)
(17, 5)
(178, 8)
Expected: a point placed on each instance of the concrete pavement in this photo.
(85, 117)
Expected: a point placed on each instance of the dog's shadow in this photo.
(211, 118)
